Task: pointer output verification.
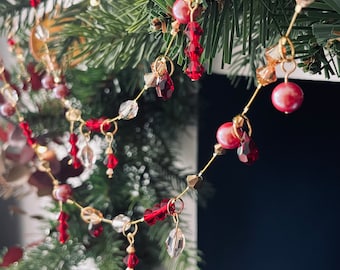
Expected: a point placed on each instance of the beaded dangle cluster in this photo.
(236, 134)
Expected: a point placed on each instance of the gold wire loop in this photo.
(289, 71)
(177, 210)
(282, 49)
(91, 215)
(128, 225)
(108, 121)
(160, 62)
(238, 122)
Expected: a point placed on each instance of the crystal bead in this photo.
(266, 75)
(73, 115)
(42, 33)
(273, 55)
(95, 125)
(128, 109)
(158, 212)
(194, 70)
(164, 86)
(87, 156)
(194, 51)
(131, 260)
(193, 31)
(95, 230)
(194, 181)
(118, 223)
(175, 242)
(150, 79)
(247, 152)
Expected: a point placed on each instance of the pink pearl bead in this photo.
(226, 137)
(62, 192)
(287, 97)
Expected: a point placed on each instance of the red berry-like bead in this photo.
(226, 137)
(287, 97)
(181, 11)
(61, 91)
(62, 192)
(7, 109)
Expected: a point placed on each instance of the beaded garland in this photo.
(230, 135)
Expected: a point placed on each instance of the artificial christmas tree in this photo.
(83, 71)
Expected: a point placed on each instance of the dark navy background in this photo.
(283, 212)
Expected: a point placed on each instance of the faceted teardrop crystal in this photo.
(95, 230)
(118, 223)
(128, 109)
(175, 242)
(165, 86)
(247, 152)
(87, 156)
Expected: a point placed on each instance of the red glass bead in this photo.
(34, 3)
(13, 255)
(164, 86)
(95, 230)
(247, 152)
(62, 192)
(193, 51)
(226, 137)
(11, 42)
(27, 132)
(194, 70)
(158, 212)
(62, 227)
(112, 161)
(131, 260)
(95, 124)
(287, 97)
(193, 31)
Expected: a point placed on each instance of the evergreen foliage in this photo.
(120, 43)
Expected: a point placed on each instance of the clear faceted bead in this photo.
(73, 115)
(128, 109)
(118, 223)
(150, 79)
(87, 156)
(175, 242)
(42, 33)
